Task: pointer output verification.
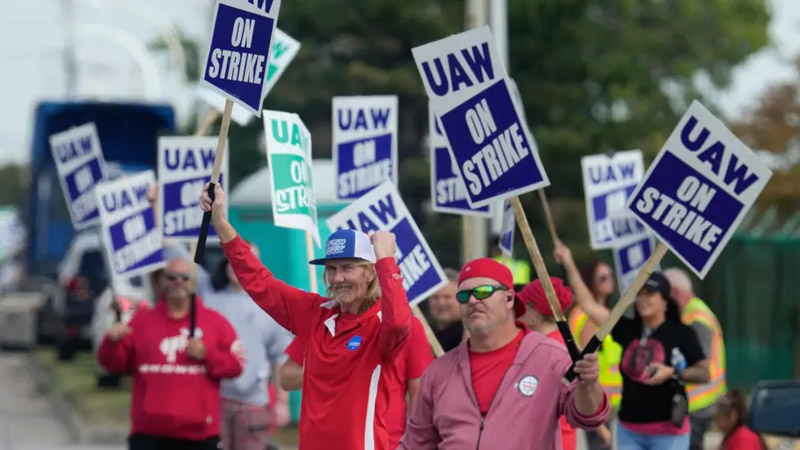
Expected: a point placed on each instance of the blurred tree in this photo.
(595, 76)
(14, 184)
(773, 125)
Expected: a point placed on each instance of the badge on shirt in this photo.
(527, 385)
(354, 343)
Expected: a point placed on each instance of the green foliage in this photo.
(594, 76)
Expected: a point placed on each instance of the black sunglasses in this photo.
(172, 276)
(479, 292)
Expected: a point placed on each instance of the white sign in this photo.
(699, 188)
(129, 233)
(289, 154)
(364, 143)
(184, 167)
(80, 165)
(509, 225)
(383, 209)
(284, 49)
(470, 91)
(629, 259)
(608, 180)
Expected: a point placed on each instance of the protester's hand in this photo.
(196, 349)
(660, 374)
(118, 331)
(587, 368)
(562, 254)
(280, 414)
(605, 435)
(152, 193)
(384, 244)
(218, 207)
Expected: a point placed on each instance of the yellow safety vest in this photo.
(520, 270)
(608, 357)
(704, 395)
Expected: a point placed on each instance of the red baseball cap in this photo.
(533, 294)
(489, 268)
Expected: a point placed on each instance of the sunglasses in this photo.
(172, 276)
(479, 292)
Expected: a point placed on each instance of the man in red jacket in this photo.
(352, 336)
(176, 403)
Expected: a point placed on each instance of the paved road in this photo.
(26, 418)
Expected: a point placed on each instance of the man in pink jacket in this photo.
(502, 388)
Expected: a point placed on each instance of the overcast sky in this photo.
(32, 39)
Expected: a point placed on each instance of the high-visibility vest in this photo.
(608, 357)
(704, 395)
(520, 270)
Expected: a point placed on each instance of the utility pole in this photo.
(69, 47)
(499, 24)
(474, 230)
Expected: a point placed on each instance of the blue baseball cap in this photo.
(343, 244)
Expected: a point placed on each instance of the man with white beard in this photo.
(351, 337)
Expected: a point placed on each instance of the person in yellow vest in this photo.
(520, 270)
(699, 317)
(598, 279)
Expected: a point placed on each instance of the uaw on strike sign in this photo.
(448, 193)
(699, 188)
(383, 209)
(130, 236)
(184, 167)
(289, 155)
(469, 89)
(80, 165)
(608, 180)
(364, 143)
(236, 65)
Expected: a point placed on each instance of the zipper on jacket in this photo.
(480, 431)
(480, 427)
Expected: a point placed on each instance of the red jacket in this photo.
(174, 395)
(345, 394)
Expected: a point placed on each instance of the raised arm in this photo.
(583, 296)
(289, 306)
(116, 351)
(395, 312)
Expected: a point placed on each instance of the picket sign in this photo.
(364, 143)
(294, 205)
(471, 94)
(80, 165)
(629, 259)
(692, 197)
(448, 193)
(506, 243)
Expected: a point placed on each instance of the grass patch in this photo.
(76, 380)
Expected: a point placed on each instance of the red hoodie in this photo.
(174, 395)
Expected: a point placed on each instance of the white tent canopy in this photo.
(256, 189)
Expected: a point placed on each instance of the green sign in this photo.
(289, 155)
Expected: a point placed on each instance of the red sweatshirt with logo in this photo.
(347, 356)
(175, 395)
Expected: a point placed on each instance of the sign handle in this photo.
(312, 272)
(435, 345)
(622, 305)
(551, 224)
(193, 297)
(218, 157)
(206, 123)
(544, 277)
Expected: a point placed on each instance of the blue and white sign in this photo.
(129, 232)
(237, 61)
(469, 89)
(364, 143)
(699, 188)
(383, 209)
(448, 192)
(608, 180)
(184, 167)
(507, 233)
(629, 259)
(80, 165)
(284, 49)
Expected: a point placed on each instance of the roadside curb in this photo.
(80, 432)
